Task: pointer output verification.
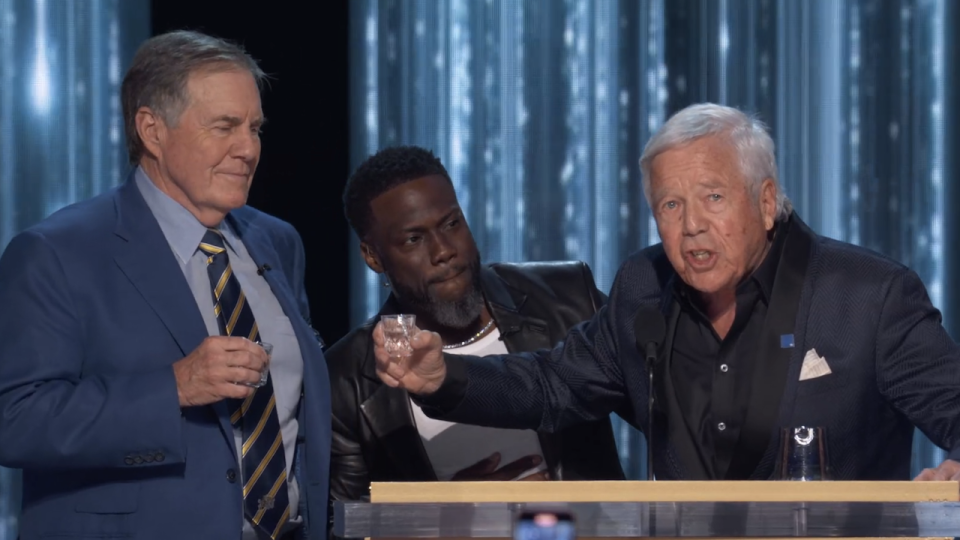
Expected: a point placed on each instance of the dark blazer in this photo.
(96, 310)
(893, 365)
(375, 438)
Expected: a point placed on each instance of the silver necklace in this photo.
(472, 338)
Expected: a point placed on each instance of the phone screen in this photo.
(544, 526)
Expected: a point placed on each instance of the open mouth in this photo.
(701, 259)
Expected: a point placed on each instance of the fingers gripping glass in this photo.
(265, 372)
(397, 331)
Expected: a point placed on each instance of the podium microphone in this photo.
(649, 329)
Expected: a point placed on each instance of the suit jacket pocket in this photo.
(820, 385)
(113, 498)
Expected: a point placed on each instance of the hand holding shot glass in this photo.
(397, 331)
(408, 357)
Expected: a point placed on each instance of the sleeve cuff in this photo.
(451, 392)
(954, 454)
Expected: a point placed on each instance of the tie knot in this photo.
(212, 243)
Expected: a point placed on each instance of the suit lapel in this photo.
(260, 248)
(262, 252)
(518, 330)
(767, 387)
(148, 262)
(150, 265)
(785, 418)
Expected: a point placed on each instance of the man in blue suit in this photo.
(136, 389)
(768, 327)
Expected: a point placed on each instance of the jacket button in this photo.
(148, 458)
(128, 460)
(231, 475)
(159, 457)
(138, 459)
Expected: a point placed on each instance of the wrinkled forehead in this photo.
(708, 159)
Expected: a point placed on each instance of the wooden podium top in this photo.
(665, 491)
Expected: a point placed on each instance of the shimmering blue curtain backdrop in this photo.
(61, 132)
(540, 110)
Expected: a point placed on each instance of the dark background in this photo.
(306, 155)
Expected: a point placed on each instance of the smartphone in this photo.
(544, 525)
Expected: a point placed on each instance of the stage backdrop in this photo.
(61, 132)
(540, 111)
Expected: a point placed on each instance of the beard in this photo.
(456, 314)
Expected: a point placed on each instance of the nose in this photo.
(693, 222)
(442, 249)
(246, 146)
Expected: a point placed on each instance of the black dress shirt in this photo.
(712, 376)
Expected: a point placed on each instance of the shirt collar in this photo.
(182, 229)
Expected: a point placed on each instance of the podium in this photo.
(668, 509)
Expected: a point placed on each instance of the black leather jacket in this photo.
(375, 438)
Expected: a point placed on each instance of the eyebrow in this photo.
(236, 120)
(657, 194)
(445, 217)
(707, 184)
(712, 184)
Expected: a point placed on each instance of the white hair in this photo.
(747, 134)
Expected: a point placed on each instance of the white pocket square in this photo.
(813, 366)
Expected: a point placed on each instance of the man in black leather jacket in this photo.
(402, 205)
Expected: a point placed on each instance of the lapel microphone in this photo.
(649, 329)
(263, 268)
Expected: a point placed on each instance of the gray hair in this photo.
(746, 133)
(158, 76)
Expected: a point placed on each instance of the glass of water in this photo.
(397, 331)
(804, 456)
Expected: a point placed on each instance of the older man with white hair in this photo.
(768, 326)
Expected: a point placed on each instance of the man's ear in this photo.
(768, 203)
(151, 129)
(370, 257)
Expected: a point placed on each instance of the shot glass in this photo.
(397, 331)
(265, 372)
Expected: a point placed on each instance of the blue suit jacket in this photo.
(96, 310)
(893, 365)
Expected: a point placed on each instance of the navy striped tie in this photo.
(265, 498)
